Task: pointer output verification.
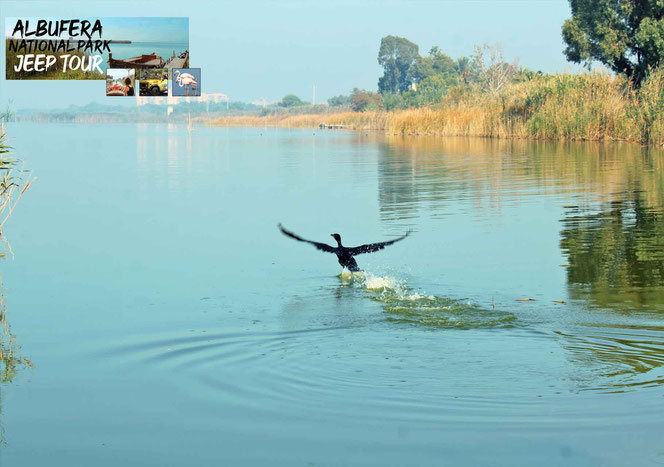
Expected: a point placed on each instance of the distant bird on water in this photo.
(344, 254)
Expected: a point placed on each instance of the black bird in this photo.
(344, 254)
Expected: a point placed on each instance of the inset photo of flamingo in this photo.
(186, 82)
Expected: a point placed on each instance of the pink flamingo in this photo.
(183, 75)
(187, 81)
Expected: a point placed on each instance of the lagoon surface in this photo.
(170, 323)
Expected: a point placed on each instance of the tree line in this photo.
(413, 80)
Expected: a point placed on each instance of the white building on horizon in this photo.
(210, 98)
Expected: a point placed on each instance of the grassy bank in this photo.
(569, 107)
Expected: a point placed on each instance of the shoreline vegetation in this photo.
(484, 95)
(565, 107)
(12, 187)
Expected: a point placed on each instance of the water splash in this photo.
(403, 304)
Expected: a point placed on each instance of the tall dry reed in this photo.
(12, 187)
(569, 107)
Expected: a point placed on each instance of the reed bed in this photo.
(12, 187)
(566, 107)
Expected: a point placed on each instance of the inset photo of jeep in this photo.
(152, 81)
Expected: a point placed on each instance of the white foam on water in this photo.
(372, 282)
(405, 304)
(419, 296)
(387, 285)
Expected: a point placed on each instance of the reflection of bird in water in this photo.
(345, 254)
(186, 80)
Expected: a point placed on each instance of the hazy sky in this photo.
(254, 50)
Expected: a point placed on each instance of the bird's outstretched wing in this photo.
(320, 246)
(371, 247)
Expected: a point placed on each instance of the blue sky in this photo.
(255, 50)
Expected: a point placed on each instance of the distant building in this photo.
(262, 102)
(156, 100)
(213, 98)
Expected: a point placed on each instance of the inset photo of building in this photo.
(186, 82)
(152, 81)
(120, 82)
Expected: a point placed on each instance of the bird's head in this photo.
(337, 237)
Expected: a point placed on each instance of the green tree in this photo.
(462, 65)
(395, 101)
(362, 100)
(339, 101)
(432, 89)
(396, 55)
(290, 100)
(625, 35)
(433, 64)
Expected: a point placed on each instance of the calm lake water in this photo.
(170, 323)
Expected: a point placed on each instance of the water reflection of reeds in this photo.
(432, 170)
(616, 253)
(11, 358)
(612, 230)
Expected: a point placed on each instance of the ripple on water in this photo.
(374, 372)
(615, 359)
(323, 374)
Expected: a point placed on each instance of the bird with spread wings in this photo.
(345, 254)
